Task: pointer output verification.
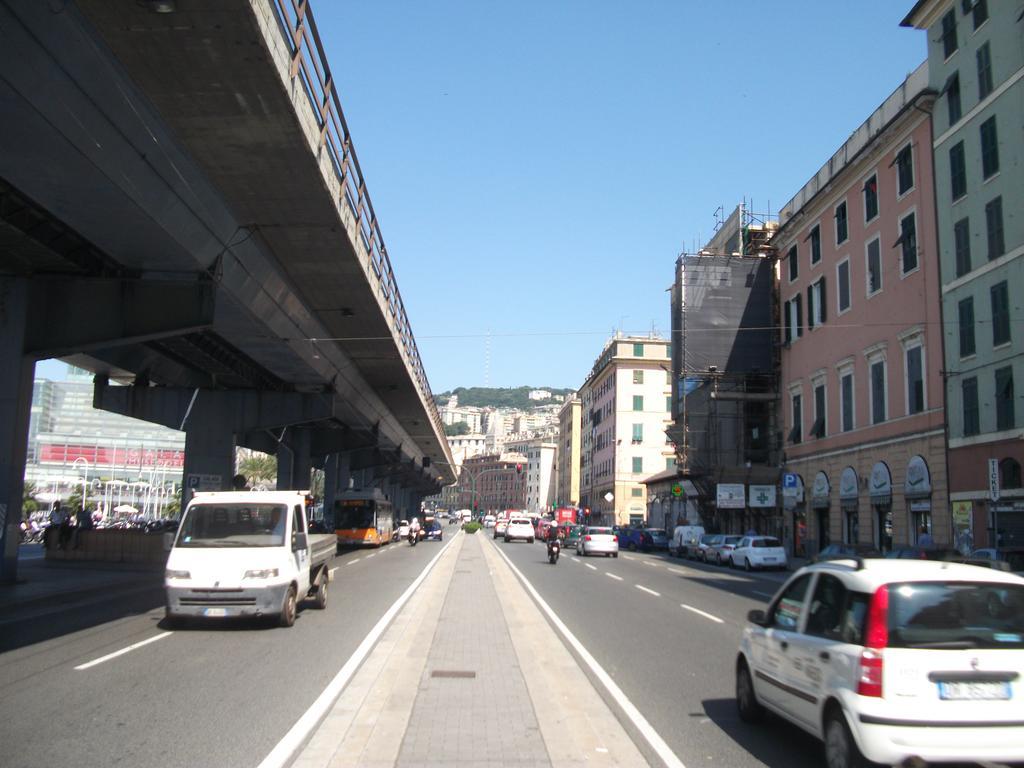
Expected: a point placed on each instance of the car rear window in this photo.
(956, 615)
(766, 543)
(607, 531)
(520, 522)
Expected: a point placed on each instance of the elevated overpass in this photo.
(182, 212)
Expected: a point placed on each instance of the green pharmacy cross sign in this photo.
(762, 497)
(677, 490)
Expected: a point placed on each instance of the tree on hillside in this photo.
(458, 428)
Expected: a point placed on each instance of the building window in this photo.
(846, 393)
(843, 285)
(796, 433)
(915, 380)
(841, 223)
(1000, 314)
(957, 171)
(978, 10)
(670, 463)
(962, 246)
(870, 198)
(969, 392)
(954, 108)
(818, 429)
(874, 266)
(794, 267)
(908, 242)
(816, 303)
(994, 225)
(1004, 399)
(638, 402)
(815, 238)
(878, 392)
(989, 148)
(638, 434)
(638, 350)
(668, 404)
(635, 492)
(966, 312)
(905, 170)
(638, 377)
(638, 464)
(984, 58)
(1009, 473)
(949, 43)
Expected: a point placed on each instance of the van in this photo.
(684, 536)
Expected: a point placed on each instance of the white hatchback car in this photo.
(597, 540)
(759, 552)
(519, 528)
(892, 661)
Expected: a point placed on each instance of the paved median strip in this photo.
(699, 612)
(648, 591)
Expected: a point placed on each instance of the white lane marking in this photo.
(612, 576)
(591, 567)
(370, 555)
(350, 562)
(648, 591)
(122, 652)
(629, 709)
(629, 557)
(699, 612)
(769, 595)
(282, 754)
(648, 562)
(576, 559)
(680, 571)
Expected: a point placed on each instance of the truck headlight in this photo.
(172, 574)
(265, 573)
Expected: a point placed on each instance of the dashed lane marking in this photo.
(769, 595)
(699, 612)
(350, 562)
(122, 652)
(648, 562)
(680, 571)
(630, 557)
(648, 591)
(591, 567)
(613, 576)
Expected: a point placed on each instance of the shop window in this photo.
(1009, 474)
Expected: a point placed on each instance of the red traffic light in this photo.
(519, 469)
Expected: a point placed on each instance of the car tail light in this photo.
(586, 538)
(876, 638)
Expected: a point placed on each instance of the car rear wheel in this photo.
(841, 750)
(746, 564)
(749, 708)
(615, 554)
(632, 547)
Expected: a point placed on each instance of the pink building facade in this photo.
(861, 386)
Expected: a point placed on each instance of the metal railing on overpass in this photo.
(309, 65)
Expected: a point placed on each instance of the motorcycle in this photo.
(554, 549)
(413, 538)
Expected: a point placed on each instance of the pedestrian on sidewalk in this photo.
(84, 523)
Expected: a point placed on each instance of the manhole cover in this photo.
(452, 673)
(464, 570)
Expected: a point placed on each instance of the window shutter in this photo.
(810, 307)
(787, 323)
(799, 316)
(821, 298)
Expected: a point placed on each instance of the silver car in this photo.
(595, 540)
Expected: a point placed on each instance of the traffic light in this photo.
(519, 469)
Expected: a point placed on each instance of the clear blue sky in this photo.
(537, 165)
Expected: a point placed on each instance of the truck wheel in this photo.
(320, 598)
(287, 617)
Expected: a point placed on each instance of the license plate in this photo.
(215, 612)
(974, 691)
(770, 559)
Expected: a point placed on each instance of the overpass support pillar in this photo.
(336, 478)
(209, 448)
(15, 403)
(294, 463)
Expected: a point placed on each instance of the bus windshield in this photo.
(354, 513)
(233, 525)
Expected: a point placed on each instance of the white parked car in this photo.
(500, 525)
(893, 661)
(597, 540)
(519, 528)
(759, 552)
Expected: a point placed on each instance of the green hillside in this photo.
(511, 397)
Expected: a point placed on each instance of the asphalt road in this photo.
(667, 631)
(207, 695)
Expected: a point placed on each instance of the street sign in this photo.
(732, 496)
(762, 496)
(993, 479)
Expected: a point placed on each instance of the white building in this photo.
(539, 394)
(540, 453)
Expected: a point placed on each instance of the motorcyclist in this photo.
(414, 529)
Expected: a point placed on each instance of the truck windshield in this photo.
(233, 525)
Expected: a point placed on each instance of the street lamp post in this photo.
(85, 478)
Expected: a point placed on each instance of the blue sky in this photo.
(537, 165)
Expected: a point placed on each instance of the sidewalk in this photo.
(465, 678)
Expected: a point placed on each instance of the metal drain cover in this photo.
(453, 673)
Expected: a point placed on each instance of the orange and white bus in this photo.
(363, 518)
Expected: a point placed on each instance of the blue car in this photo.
(434, 531)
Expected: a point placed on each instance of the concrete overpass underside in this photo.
(182, 211)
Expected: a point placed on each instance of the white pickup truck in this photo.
(244, 553)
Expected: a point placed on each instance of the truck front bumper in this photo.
(216, 602)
